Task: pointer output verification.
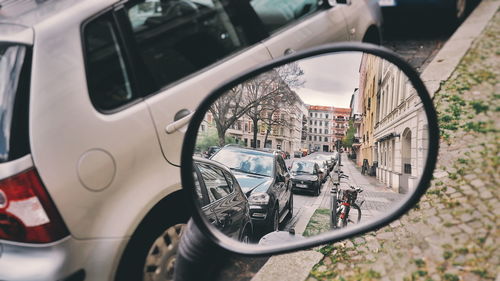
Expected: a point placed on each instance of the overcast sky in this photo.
(330, 79)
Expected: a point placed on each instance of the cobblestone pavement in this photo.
(453, 232)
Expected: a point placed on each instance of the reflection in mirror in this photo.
(313, 146)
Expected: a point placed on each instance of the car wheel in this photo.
(160, 259)
(318, 190)
(460, 9)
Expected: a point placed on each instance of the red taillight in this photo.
(27, 214)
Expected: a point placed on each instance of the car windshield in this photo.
(246, 161)
(303, 167)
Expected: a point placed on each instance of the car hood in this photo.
(253, 183)
(304, 177)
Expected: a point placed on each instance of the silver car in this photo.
(95, 96)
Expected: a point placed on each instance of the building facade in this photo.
(400, 132)
(368, 90)
(319, 131)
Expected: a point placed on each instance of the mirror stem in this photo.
(197, 257)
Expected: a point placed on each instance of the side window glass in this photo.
(197, 187)
(217, 186)
(281, 169)
(107, 77)
(277, 14)
(178, 37)
(229, 180)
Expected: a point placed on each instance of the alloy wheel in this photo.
(160, 260)
(460, 7)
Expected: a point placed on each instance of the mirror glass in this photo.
(314, 146)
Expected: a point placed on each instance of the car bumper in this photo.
(66, 260)
(308, 186)
(416, 3)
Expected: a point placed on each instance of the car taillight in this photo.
(27, 214)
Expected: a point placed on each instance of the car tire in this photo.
(456, 13)
(151, 254)
(159, 223)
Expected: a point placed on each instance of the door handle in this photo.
(176, 125)
(288, 51)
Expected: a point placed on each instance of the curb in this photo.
(436, 72)
(450, 55)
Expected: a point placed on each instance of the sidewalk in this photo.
(453, 233)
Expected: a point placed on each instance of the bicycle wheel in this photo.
(354, 216)
(341, 220)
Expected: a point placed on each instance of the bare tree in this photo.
(277, 84)
(252, 97)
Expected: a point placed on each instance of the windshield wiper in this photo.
(247, 172)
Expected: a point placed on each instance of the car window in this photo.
(246, 161)
(275, 14)
(215, 182)
(108, 79)
(282, 166)
(197, 187)
(178, 37)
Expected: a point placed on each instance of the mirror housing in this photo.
(339, 234)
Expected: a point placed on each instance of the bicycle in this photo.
(341, 214)
(344, 212)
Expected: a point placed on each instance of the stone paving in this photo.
(453, 233)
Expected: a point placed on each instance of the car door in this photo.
(224, 210)
(298, 24)
(186, 48)
(282, 184)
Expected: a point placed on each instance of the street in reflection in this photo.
(312, 146)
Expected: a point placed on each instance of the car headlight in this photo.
(259, 198)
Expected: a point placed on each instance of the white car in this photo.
(94, 96)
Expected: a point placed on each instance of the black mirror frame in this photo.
(251, 250)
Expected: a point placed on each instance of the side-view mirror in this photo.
(391, 106)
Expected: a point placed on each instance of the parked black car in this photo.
(306, 176)
(323, 167)
(265, 179)
(222, 200)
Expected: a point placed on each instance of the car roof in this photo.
(29, 13)
(304, 161)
